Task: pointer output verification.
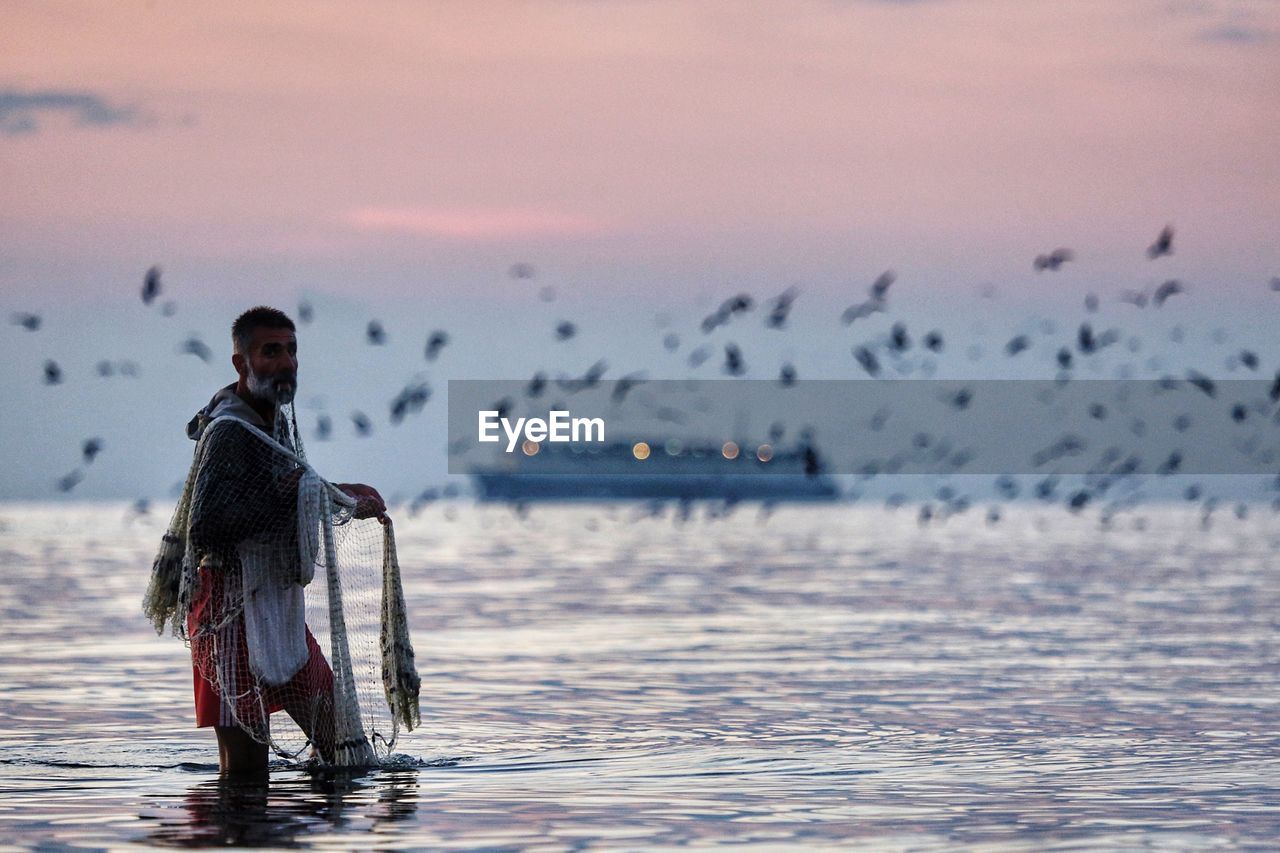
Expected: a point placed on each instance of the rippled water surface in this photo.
(596, 678)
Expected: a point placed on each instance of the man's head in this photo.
(265, 355)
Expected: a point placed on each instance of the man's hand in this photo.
(369, 504)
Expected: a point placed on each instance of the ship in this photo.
(640, 469)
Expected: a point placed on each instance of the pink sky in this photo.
(643, 130)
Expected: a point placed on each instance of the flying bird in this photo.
(1017, 345)
(375, 334)
(91, 448)
(787, 375)
(198, 348)
(733, 363)
(70, 481)
(880, 287)
(52, 373)
(305, 312)
(151, 286)
(435, 342)
(781, 308)
(565, 330)
(933, 341)
(868, 360)
(324, 427)
(30, 322)
(1053, 260)
(1163, 244)
(410, 400)
(861, 310)
(521, 270)
(625, 384)
(1164, 291)
(1134, 297)
(362, 423)
(899, 340)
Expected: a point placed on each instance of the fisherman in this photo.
(247, 632)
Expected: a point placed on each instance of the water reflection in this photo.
(275, 812)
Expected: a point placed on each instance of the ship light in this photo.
(730, 450)
(640, 450)
(530, 448)
(764, 453)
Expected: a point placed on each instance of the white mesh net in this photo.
(288, 602)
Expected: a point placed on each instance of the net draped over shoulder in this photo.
(233, 577)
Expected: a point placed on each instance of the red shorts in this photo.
(314, 679)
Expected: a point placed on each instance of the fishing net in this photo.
(286, 599)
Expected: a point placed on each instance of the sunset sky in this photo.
(395, 159)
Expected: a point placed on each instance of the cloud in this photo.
(1232, 34)
(20, 112)
(471, 224)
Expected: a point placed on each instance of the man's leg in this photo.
(239, 754)
(308, 699)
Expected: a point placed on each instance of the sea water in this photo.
(600, 676)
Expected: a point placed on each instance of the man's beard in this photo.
(277, 390)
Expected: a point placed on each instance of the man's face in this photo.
(272, 365)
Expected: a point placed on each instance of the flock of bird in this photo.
(871, 357)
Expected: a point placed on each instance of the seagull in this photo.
(521, 270)
(52, 373)
(781, 308)
(1164, 291)
(305, 312)
(787, 376)
(867, 359)
(198, 348)
(1163, 244)
(362, 424)
(625, 384)
(435, 342)
(880, 287)
(151, 286)
(733, 363)
(565, 330)
(410, 400)
(375, 334)
(324, 427)
(1017, 345)
(30, 322)
(70, 481)
(1053, 260)
(899, 341)
(91, 448)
